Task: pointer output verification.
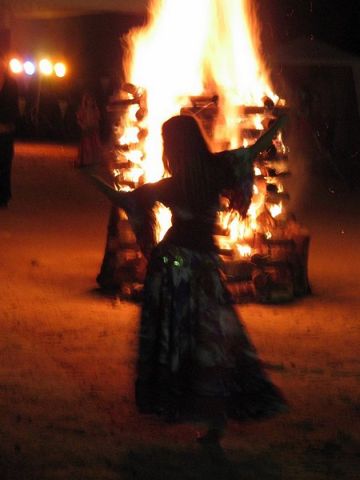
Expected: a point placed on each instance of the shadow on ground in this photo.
(148, 463)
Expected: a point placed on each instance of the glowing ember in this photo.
(244, 250)
(130, 136)
(275, 210)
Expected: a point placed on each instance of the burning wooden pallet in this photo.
(268, 264)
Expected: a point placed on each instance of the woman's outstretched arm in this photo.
(265, 140)
(138, 206)
(120, 199)
(235, 171)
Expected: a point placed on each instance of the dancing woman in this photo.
(195, 360)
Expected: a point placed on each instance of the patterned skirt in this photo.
(195, 358)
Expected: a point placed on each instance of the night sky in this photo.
(333, 21)
(91, 43)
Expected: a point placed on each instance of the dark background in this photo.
(336, 22)
(92, 46)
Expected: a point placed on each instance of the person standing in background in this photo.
(88, 119)
(9, 113)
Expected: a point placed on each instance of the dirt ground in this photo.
(67, 354)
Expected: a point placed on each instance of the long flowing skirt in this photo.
(195, 358)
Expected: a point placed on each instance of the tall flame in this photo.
(189, 48)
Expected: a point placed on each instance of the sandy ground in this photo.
(67, 354)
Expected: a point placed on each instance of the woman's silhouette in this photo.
(195, 360)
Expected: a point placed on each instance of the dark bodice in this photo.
(195, 233)
(191, 227)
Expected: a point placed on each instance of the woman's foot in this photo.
(210, 442)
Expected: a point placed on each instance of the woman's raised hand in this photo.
(266, 138)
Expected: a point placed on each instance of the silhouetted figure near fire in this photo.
(196, 361)
(9, 113)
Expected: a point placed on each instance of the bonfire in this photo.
(204, 59)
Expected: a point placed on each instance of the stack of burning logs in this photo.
(268, 265)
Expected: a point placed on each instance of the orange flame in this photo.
(275, 209)
(191, 48)
(188, 48)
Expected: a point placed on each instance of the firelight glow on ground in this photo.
(67, 355)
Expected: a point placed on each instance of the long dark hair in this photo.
(186, 158)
